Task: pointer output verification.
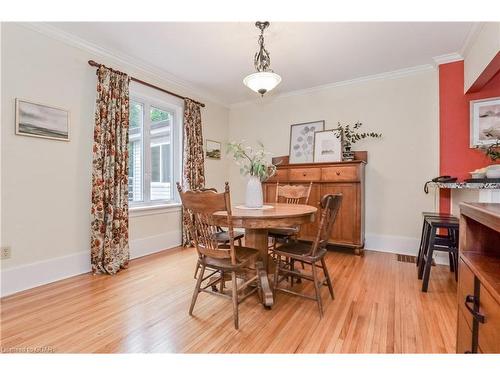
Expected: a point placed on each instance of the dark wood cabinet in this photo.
(346, 178)
(478, 328)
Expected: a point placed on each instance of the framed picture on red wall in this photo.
(484, 122)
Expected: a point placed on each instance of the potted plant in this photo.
(252, 163)
(349, 136)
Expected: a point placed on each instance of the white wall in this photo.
(45, 188)
(404, 109)
(481, 51)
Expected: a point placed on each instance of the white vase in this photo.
(253, 197)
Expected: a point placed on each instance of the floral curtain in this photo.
(193, 160)
(109, 227)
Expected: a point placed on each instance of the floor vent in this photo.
(409, 259)
(406, 258)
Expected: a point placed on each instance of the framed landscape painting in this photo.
(213, 149)
(327, 147)
(302, 141)
(42, 121)
(484, 122)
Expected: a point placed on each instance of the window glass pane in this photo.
(161, 156)
(135, 161)
(165, 166)
(155, 164)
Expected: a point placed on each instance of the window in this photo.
(154, 152)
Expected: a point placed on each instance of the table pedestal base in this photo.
(258, 239)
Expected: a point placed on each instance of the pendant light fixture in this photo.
(264, 79)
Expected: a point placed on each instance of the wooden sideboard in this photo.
(346, 178)
(478, 327)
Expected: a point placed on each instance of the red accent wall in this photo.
(455, 157)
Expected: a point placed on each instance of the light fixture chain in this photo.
(262, 59)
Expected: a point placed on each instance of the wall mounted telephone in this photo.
(439, 179)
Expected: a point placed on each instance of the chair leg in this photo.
(316, 288)
(452, 262)
(222, 282)
(292, 268)
(421, 264)
(239, 242)
(425, 241)
(327, 276)
(276, 275)
(197, 289)
(428, 263)
(196, 269)
(235, 299)
(455, 259)
(421, 244)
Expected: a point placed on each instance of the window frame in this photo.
(176, 149)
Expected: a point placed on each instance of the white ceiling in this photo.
(214, 57)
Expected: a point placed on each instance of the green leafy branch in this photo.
(493, 151)
(351, 135)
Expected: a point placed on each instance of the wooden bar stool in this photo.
(433, 243)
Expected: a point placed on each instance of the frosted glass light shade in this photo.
(262, 82)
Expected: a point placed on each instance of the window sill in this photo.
(154, 209)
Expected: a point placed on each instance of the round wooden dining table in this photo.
(257, 222)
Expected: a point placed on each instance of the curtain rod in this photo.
(97, 65)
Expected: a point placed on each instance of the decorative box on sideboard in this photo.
(346, 178)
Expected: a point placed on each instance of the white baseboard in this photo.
(399, 245)
(149, 245)
(31, 275)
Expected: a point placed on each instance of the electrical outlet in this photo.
(5, 253)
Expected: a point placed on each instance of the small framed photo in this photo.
(302, 141)
(484, 122)
(41, 120)
(213, 149)
(327, 146)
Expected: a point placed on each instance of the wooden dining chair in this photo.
(217, 258)
(290, 194)
(312, 254)
(221, 235)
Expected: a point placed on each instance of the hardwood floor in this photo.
(378, 308)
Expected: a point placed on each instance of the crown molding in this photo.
(447, 58)
(380, 76)
(125, 59)
(471, 37)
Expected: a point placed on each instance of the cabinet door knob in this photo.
(304, 174)
(337, 173)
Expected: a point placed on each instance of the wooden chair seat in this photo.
(223, 236)
(244, 256)
(299, 251)
(283, 232)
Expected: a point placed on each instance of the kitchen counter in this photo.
(466, 185)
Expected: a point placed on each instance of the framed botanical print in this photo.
(302, 141)
(484, 122)
(41, 120)
(327, 146)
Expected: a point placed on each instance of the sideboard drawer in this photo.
(281, 175)
(304, 174)
(340, 173)
(489, 331)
